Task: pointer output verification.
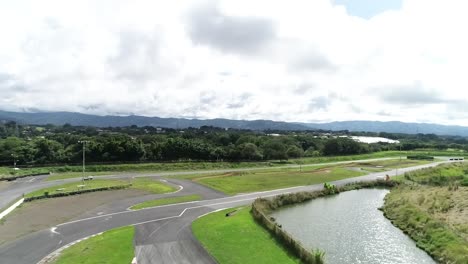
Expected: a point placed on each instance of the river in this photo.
(350, 229)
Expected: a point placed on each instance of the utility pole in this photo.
(14, 161)
(84, 157)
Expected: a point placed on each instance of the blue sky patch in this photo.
(369, 8)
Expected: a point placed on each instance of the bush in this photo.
(420, 157)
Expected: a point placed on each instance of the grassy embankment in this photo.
(165, 201)
(432, 208)
(63, 172)
(114, 246)
(252, 181)
(238, 239)
(146, 184)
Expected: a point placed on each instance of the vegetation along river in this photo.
(350, 229)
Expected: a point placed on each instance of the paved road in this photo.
(29, 184)
(162, 233)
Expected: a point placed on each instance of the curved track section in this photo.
(163, 233)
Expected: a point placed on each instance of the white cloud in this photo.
(260, 59)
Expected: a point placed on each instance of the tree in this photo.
(294, 152)
(249, 151)
(48, 151)
(274, 149)
(343, 146)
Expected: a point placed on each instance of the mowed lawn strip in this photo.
(238, 239)
(67, 175)
(151, 185)
(145, 183)
(164, 201)
(64, 172)
(244, 182)
(112, 247)
(75, 186)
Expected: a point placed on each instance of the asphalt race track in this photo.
(163, 234)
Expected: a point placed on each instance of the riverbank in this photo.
(432, 208)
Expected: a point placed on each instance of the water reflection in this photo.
(350, 229)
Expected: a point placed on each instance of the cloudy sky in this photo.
(300, 60)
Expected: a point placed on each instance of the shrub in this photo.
(420, 157)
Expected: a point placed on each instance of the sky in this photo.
(300, 60)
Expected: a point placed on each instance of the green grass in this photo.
(151, 185)
(7, 172)
(395, 163)
(62, 172)
(144, 183)
(429, 218)
(276, 178)
(381, 154)
(244, 182)
(112, 247)
(431, 208)
(238, 239)
(164, 201)
(69, 187)
(68, 175)
(439, 175)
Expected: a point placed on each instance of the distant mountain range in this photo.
(78, 119)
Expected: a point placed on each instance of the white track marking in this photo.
(149, 208)
(200, 206)
(11, 208)
(51, 257)
(53, 230)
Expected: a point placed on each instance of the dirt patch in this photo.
(4, 184)
(354, 169)
(41, 214)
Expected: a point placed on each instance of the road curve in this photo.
(163, 233)
(33, 183)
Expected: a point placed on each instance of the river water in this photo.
(350, 229)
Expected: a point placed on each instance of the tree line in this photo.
(35, 145)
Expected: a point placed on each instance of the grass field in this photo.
(382, 154)
(164, 201)
(144, 183)
(6, 172)
(244, 182)
(68, 175)
(151, 185)
(262, 180)
(440, 175)
(432, 209)
(76, 186)
(111, 247)
(385, 165)
(62, 172)
(238, 239)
